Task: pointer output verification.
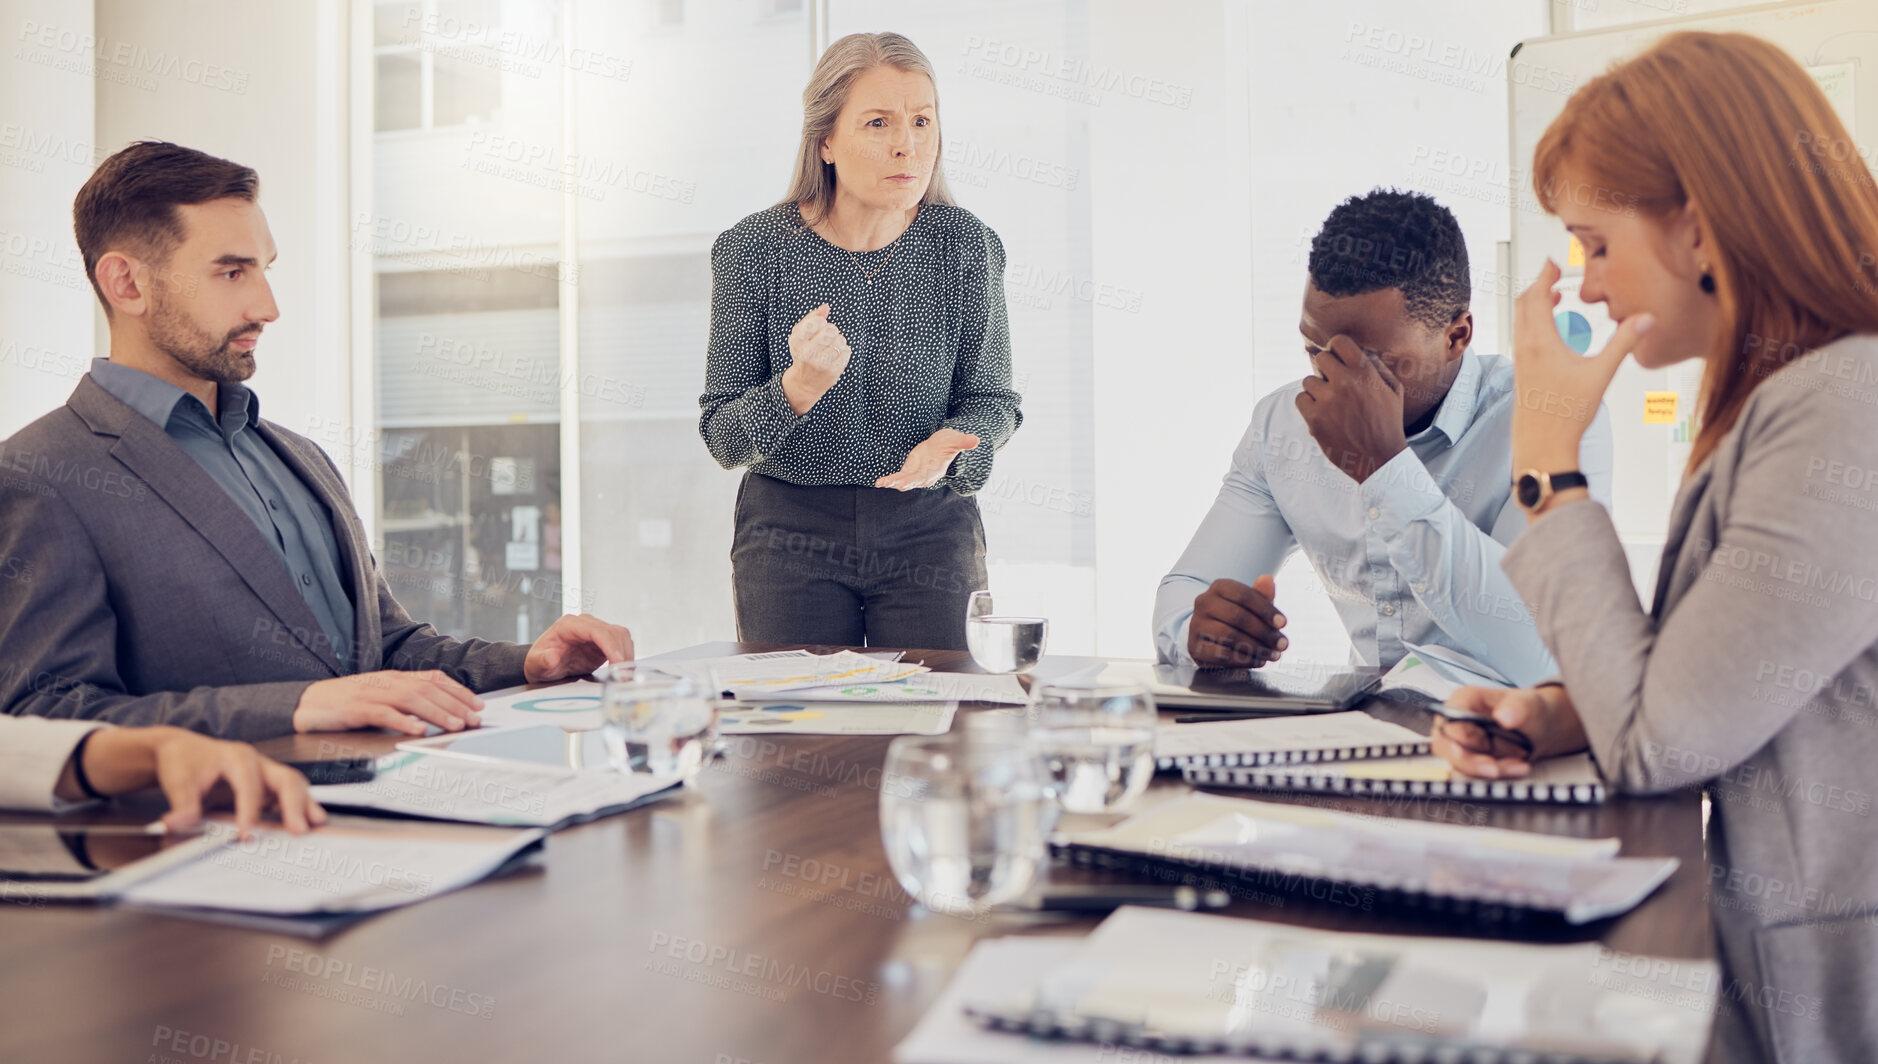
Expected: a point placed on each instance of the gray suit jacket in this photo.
(133, 590)
(1753, 676)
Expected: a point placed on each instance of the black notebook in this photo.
(1556, 781)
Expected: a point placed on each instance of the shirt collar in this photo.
(156, 398)
(1457, 408)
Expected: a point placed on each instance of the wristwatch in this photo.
(1532, 488)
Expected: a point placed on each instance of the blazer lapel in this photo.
(148, 451)
(1680, 518)
(354, 551)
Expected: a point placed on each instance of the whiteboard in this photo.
(1837, 39)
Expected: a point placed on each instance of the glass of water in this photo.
(1096, 744)
(966, 822)
(657, 724)
(1000, 642)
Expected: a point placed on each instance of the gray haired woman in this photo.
(860, 367)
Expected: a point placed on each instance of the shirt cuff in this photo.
(770, 420)
(1400, 493)
(38, 753)
(1174, 651)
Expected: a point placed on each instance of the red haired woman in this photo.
(1724, 216)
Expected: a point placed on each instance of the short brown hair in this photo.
(131, 199)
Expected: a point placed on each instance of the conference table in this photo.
(752, 918)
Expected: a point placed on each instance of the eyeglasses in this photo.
(1479, 734)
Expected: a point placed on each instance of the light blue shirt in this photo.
(1411, 555)
(286, 512)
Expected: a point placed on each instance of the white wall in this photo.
(262, 84)
(1296, 108)
(1170, 217)
(46, 152)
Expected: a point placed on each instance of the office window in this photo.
(439, 63)
(464, 234)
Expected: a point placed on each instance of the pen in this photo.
(1104, 898)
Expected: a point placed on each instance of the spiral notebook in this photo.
(1284, 741)
(1155, 981)
(1491, 875)
(1556, 781)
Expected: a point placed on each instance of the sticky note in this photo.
(1659, 408)
(1575, 255)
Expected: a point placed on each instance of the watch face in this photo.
(1526, 490)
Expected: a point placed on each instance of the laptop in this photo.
(1306, 689)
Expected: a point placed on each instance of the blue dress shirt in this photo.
(1411, 555)
(289, 516)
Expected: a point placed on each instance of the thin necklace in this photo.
(868, 276)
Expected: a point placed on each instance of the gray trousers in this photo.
(855, 566)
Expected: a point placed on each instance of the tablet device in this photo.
(547, 745)
(1297, 690)
(72, 862)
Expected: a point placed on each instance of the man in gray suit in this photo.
(169, 557)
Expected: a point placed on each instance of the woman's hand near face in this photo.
(927, 463)
(1558, 388)
(820, 355)
(1545, 715)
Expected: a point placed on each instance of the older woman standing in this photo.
(860, 366)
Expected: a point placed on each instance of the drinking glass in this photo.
(1001, 643)
(966, 822)
(657, 724)
(1096, 744)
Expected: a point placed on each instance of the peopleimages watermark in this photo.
(1066, 76)
(205, 1047)
(729, 968)
(1312, 1000)
(336, 977)
(425, 247)
(584, 175)
(505, 48)
(1448, 62)
(66, 48)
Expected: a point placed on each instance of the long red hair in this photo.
(1788, 208)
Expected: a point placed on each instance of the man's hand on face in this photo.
(1354, 408)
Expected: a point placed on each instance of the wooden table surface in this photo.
(753, 919)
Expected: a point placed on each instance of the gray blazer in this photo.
(1753, 675)
(133, 590)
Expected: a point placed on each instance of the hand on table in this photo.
(190, 769)
(403, 701)
(1236, 626)
(575, 645)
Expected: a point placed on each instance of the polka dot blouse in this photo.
(931, 343)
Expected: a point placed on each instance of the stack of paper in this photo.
(481, 791)
(1155, 981)
(1286, 847)
(350, 865)
(1439, 672)
(1001, 688)
(757, 675)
